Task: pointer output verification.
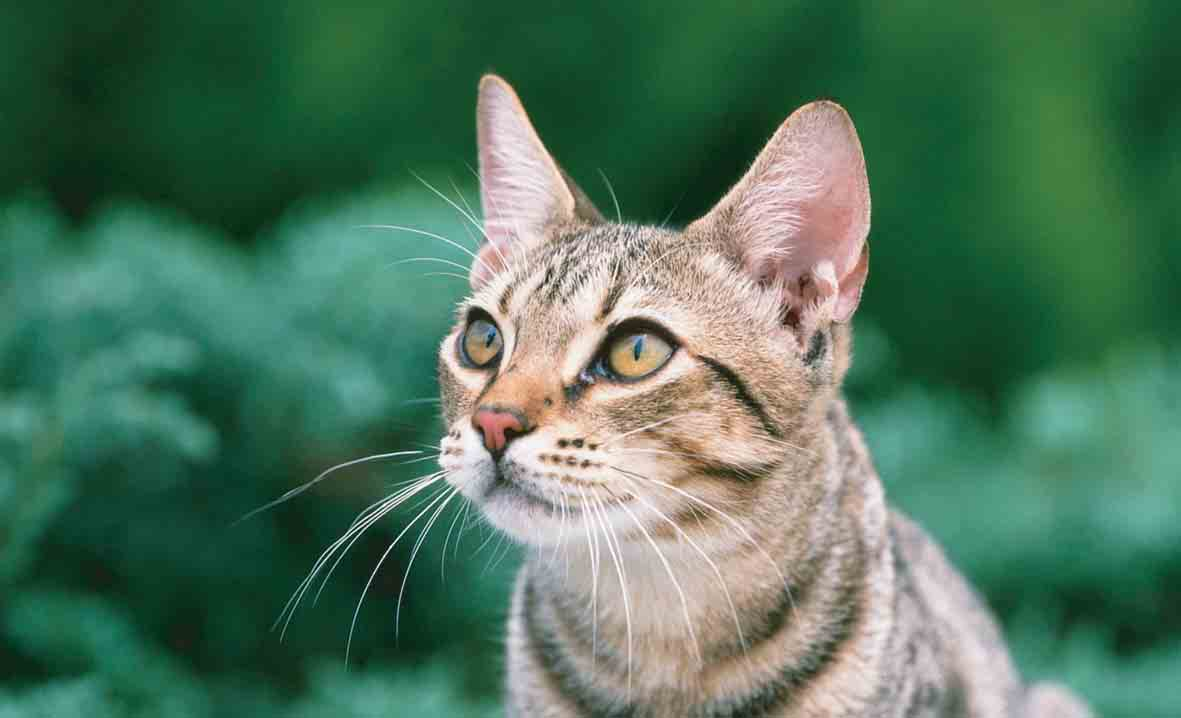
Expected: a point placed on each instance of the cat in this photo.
(658, 414)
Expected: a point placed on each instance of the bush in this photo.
(156, 383)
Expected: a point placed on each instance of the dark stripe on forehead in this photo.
(563, 263)
(743, 394)
(549, 277)
(507, 297)
(613, 292)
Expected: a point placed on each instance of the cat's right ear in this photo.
(523, 191)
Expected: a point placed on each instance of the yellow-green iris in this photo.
(637, 355)
(482, 343)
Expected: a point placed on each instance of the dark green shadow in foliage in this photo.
(188, 328)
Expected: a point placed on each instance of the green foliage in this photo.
(1062, 511)
(156, 383)
(162, 372)
(1025, 181)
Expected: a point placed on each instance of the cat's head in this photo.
(629, 372)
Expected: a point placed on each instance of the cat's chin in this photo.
(523, 513)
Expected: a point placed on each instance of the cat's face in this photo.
(613, 357)
(623, 375)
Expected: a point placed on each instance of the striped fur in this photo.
(711, 540)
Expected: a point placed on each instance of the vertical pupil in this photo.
(489, 337)
(638, 348)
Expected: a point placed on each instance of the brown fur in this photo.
(711, 540)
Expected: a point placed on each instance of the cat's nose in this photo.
(499, 426)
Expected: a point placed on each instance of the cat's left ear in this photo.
(523, 191)
(800, 217)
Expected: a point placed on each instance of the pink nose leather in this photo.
(498, 428)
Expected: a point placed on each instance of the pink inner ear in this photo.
(829, 223)
(521, 188)
(851, 287)
(491, 259)
(805, 202)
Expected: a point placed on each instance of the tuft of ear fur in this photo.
(800, 216)
(522, 189)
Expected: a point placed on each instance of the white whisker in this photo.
(727, 517)
(413, 553)
(451, 275)
(614, 199)
(709, 561)
(475, 257)
(398, 499)
(357, 612)
(359, 526)
(323, 475)
(440, 260)
(466, 215)
(592, 540)
(648, 427)
(672, 577)
(447, 540)
(617, 558)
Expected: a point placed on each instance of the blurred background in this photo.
(191, 321)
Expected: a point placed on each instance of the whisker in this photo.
(357, 612)
(445, 198)
(447, 540)
(729, 519)
(462, 198)
(676, 248)
(399, 499)
(475, 257)
(470, 212)
(672, 577)
(359, 526)
(440, 260)
(487, 540)
(452, 275)
(323, 475)
(614, 199)
(788, 445)
(464, 527)
(423, 400)
(617, 558)
(561, 530)
(413, 553)
(404, 484)
(501, 555)
(647, 427)
(565, 540)
(683, 454)
(497, 553)
(422, 458)
(667, 217)
(592, 539)
(709, 561)
(518, 244)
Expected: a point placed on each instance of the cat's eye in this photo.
(481, 343)
(636, 355)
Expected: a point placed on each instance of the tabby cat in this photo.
(658, 415)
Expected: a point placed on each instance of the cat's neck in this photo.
(740, 581)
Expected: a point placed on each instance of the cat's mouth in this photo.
(544, 491)
(509, 484)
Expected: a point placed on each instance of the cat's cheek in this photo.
(465, 464)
